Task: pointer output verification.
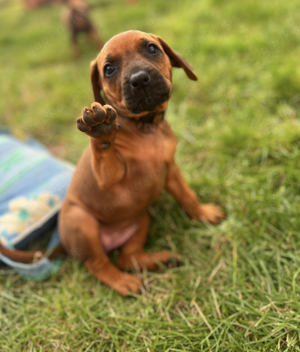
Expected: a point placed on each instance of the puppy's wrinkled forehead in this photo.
(126, 45)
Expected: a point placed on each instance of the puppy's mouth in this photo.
(144, 91)
(147, 102)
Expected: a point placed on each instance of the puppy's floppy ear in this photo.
(177, 60)
(96, 82)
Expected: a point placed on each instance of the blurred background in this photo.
(239, 138)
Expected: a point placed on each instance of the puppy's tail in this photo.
(30, 257)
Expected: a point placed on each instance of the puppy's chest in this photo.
(148, 153)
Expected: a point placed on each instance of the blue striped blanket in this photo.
(33, 185)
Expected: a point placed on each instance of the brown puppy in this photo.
(124, 170)
(77, 20)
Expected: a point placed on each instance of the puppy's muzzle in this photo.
(144, 89)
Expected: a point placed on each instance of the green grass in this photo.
(239, 138)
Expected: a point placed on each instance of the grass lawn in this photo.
(239, 145)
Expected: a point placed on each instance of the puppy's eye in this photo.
(152, 49)
(109, 70)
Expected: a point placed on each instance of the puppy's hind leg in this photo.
(80, 235)
(133, 254)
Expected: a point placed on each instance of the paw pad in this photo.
(97, 121)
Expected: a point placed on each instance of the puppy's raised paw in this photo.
(98, 121)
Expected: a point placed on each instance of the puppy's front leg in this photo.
(98, 122)
(188, 200)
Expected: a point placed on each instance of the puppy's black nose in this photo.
(139, 79)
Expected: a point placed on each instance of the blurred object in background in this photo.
(33, 4)
(76, 18)
(132, 2)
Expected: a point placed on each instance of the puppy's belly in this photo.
(113, 237)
